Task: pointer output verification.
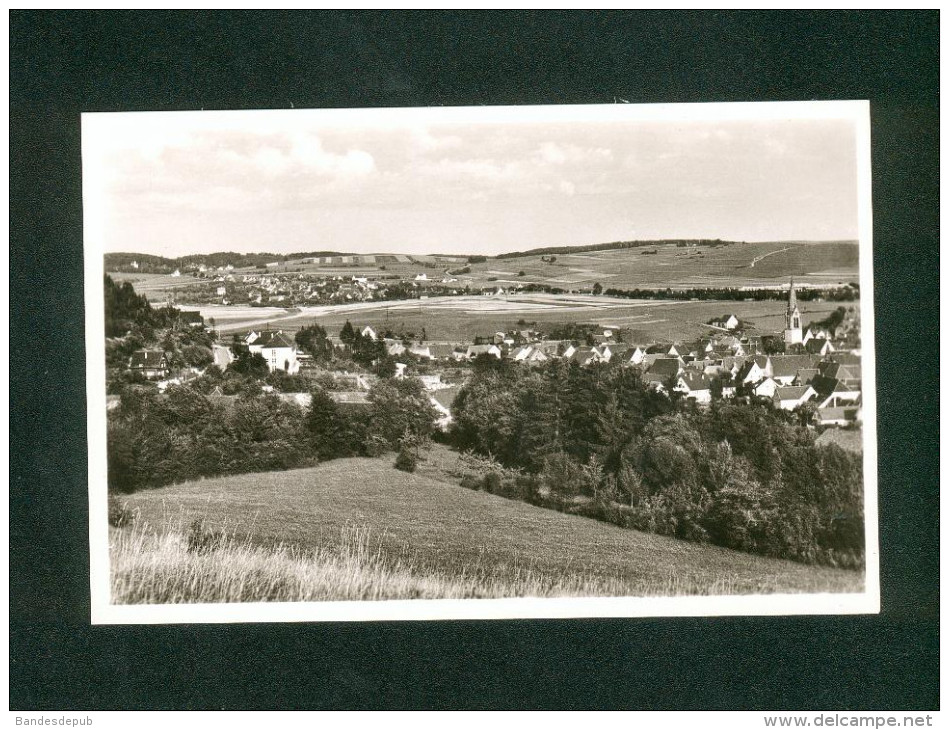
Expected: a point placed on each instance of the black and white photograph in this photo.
(549, 361)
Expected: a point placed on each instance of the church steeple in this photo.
(793, 333)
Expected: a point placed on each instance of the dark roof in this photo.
(696, 381)
(666, 367)
(806, 375)
(787, 366)
(270, 338)
(191, 317)
(148, 359)
(815, 344)
(441, 349)
(791, 392)
(845, 358)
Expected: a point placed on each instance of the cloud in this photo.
(560, 154)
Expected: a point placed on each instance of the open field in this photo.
(464, 317)
(156, 287)
(679, 267)
(433, 528)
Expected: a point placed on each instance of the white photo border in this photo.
(97, 126)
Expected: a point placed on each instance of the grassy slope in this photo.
(443, 530)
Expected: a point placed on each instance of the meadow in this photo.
(463, 318)
(385, 534)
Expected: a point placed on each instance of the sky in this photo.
(481, 181)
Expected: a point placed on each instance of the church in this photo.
(793, 333)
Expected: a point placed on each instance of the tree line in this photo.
(186, 433)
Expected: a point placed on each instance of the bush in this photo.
(406, 461)
(470, 481)
(491, 482)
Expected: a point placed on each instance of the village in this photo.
(810, 369)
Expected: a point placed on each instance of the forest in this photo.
(598, 442)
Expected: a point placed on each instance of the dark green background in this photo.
(62, 64)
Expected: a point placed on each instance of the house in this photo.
(751, 372)
(789, 397)
(277, 349)
(150, 363)
(369, 332)
(522, 353)
(441, 350)
(695, 386)
(394, 348)
(192, 319)
(805, 376)
(584, 356)
(728, 322)
(840, 415)
(635, 355)
(421, 351)
(851, 374)
(476, 350)
(765, 388)
(667, 367)
(819, 346)
(784, 368)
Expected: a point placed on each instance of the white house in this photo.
(789, 397)
(636, 355)
(695, 386)
(369, 332)
(475, 350)
(422, 351)
(766, 388)
(277, 349)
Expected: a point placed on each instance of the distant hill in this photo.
(615, 245)
(148, 264)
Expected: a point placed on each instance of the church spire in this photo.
(792, 332)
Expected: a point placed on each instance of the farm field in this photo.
(465, 317)
(436, 529)
(678, 267)
(157, 287)
(735, 264)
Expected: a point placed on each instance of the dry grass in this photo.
(357, 528)
(151, 567)
(161, 568)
